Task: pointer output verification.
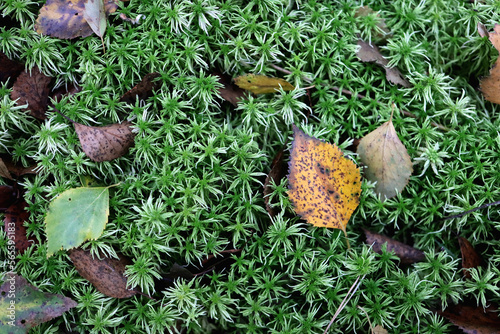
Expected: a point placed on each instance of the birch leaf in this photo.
(324, 186)
(95, 15)
(386, 160)
(260, 84)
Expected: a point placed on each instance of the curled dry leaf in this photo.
(472, 319)
(260, 84)
(371, 54)
(143, 89)
(105, 274)
(15, 216)
(324, 186)
(16, 169)
(407, 254)
(9, 68)
(230, 92)
(105, 143)
(30, 306)
(32, 89)
(490, 86)
(386, 160)
(470, 258)
(64, 18)
(277, 172)
(379, 330)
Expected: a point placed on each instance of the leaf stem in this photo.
(472, 210)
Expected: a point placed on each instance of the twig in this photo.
(472, 210)
(345, 301)
(367, 317)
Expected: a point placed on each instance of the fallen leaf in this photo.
(407, 254)
(62, 91)
(143, 90)
(481, 29)
(260, 84)
(371, 54)
(76, 215)
(94, 14)
(230, 92)
(4, 171)
(490, 86)
(470, 258)
(24, 306)
(379, 330)
(65, 19)
(32, 89)
(324, 186)
(178, 271)
(105, 274)
(382, 32)
(9, 69)
(473, 320)
(386, 159)
(105, 143)
(8, 195)
(275, 175)
(15, 216)
(16, 169)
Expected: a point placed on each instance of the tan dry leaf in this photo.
(482, 30)
(260, 84)
(386, 159)
(381, 31)
(107, 275)
(490, 86)
(32, 89)
(379, 330)
(4, 171)
(105, 143)
(371, 54)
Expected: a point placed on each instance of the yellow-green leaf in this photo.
(386, 160)
(324, 186)
(260, 84)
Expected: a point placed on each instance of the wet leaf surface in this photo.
(105, 274)
(324, 186)
(143, 90)
(15, 216)
(472, 319)
(260, 84)
(470, 258)
(31, 306)
(32, 89)
(371, 54)
(230, 92)
(407, 254)
(105, 143)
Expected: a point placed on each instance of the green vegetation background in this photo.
(191, 185)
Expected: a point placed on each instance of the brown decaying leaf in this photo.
(63, 91)
(106, 142)
(230, 92)
(277, 172)
(379, 330)
(32, 89)
(407, 254)
(9, 68)
(490, 86)
(64, 18)
(8, 195)
(382, 32)
(16, 169)
(4, 171)
(143, 90)
(472, 319)
(371, 54)
(386, 160)
(107, 275)
(260, 84)
(15, 216)
(470, 258)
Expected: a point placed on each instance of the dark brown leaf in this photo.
(63, 91)
(106, 142)
(277, 172)
(178, 271)
(8, 195)
(407, 254)
(4, 171)
(15, 216)
(143, 89)
(371, 54)
(230, 92)
(470, 258)
(17, 169)
(9, 68)
(32, 89)
(473, 320)
(106, 274)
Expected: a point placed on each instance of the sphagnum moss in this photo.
(191, 185)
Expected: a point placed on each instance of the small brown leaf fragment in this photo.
(260, 84)
(379, 330)
(106, 275)
(105, 143)
(490, 86)
(277, 172)
(143, 90)
(371, 54)
(381, 31)
(63, 91)
(482, 30)
(15, 216)
(16, 169)
(64, 18)
(472, 319)
(407, 254)
(32, 89)
(470, 258)
(4, 171)
(386, 159)
(9, 68)
(230, 92)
